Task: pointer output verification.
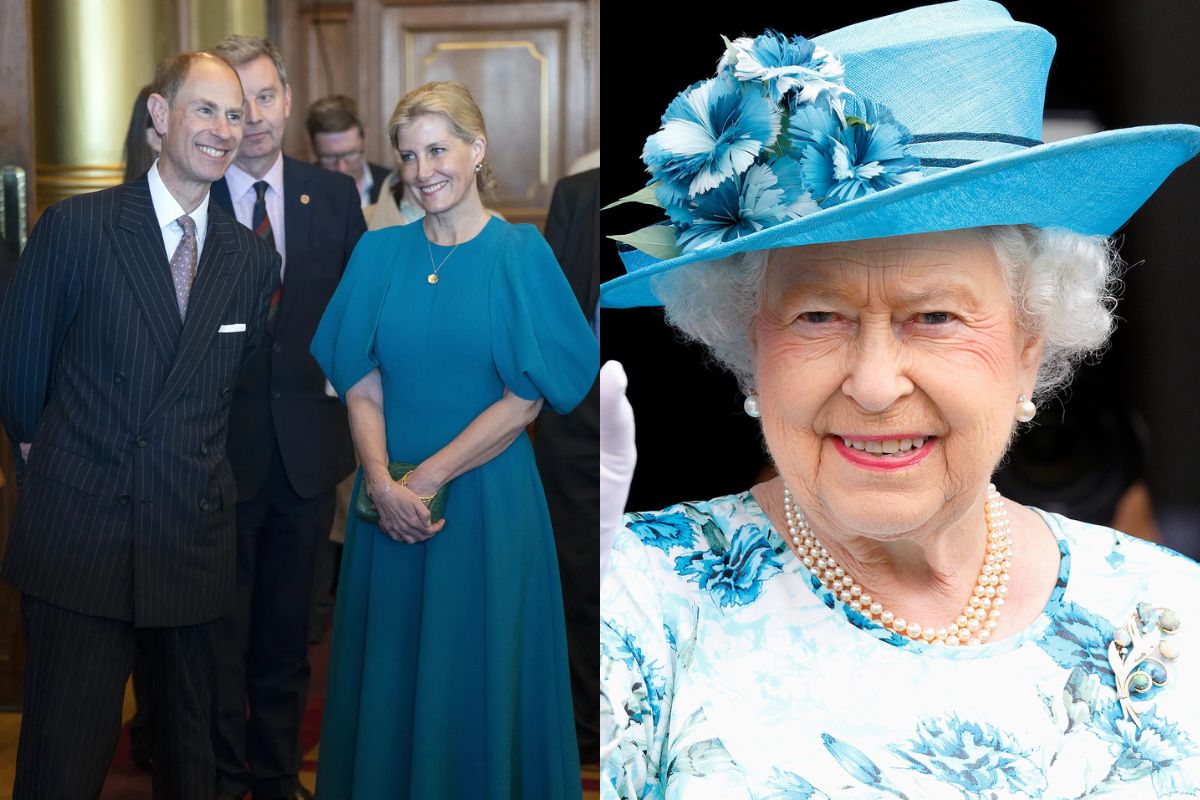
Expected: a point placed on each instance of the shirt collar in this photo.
(167, 209)
(240, 182)
(368, 178)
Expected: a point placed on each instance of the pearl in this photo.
(978, 618)
(752, 407)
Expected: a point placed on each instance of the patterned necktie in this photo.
(262, 228)
(183, 263)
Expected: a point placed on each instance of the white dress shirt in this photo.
(167, 210)
(368, 183)
(241, 192)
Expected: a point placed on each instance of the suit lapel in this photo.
(139, 248)
(220, 195)
(215, 282)
(298, 216)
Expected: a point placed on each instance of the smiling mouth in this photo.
(899, 446)
(212, 151)
(433, 187)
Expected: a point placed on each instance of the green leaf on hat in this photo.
(654, 240)
(644, 195)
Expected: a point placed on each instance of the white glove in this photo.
(617, 454)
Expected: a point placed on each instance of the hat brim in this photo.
(1091, 185)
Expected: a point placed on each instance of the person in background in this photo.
(568, 457)
(448, 672)
(142, 142)
(289, 440)
(336, 132)
(121, 336)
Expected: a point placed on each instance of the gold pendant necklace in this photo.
(433, 276)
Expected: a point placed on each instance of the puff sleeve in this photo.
(344, 345)
(542, 345)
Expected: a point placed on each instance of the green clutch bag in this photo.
(364, 506)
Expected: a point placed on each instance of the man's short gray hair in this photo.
(1062, 285)
(239, 50)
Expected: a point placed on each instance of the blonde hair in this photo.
(452, 101)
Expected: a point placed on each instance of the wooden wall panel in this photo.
(532, 66)
(320, 62)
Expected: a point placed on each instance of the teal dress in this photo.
(448, 674)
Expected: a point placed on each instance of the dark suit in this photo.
(290, 446)
(379, 176)
(124, 530)
(568, 456)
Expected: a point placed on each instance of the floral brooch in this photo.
(1139, 653)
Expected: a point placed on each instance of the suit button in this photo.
(226, 392)
(119, 377)
(204, 505)
(204, 449)
(275, 395)
(123, 499)
(141, 441)
(276, 347)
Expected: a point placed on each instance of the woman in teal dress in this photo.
(448, 676)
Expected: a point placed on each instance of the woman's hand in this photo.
(402, 515)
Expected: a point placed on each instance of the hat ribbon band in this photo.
(964, 136)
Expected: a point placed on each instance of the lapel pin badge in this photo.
(304, 199)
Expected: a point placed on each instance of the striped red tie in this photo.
(262, 228)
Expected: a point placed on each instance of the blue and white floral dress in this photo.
(728, 671)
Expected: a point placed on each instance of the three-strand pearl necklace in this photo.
(979, 616)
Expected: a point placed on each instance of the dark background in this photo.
(1126, 63)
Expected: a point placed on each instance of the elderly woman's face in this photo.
(888, 372)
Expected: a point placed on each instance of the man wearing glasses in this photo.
(336, 132)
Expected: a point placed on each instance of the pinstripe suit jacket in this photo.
(127, 501)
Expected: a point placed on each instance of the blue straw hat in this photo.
(921, 121)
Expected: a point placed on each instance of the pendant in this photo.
(433, 278)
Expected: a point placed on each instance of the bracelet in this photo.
(426, 500)
(372, 486)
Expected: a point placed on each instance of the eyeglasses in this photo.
(332, 159)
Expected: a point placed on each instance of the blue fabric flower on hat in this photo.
(785, 65)
(710, 132)
(766, 195)
(866, 156)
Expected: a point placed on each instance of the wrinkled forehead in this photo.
(893, 269)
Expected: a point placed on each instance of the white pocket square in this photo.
(329, 390)
(237, 327)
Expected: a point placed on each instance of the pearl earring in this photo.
(1026, 410)
(479, 168)
(751, 406)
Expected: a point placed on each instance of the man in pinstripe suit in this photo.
(121, 337)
